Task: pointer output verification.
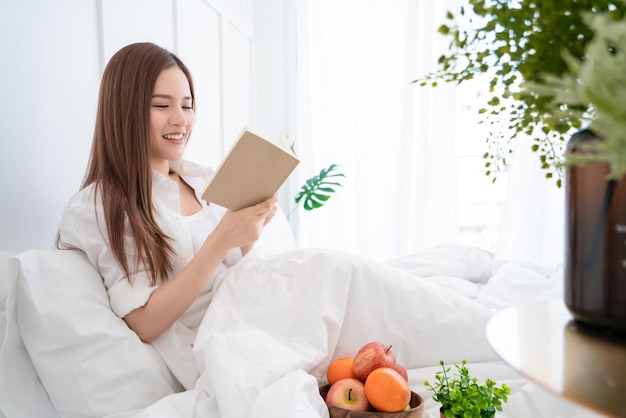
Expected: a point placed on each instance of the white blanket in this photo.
(278, 320)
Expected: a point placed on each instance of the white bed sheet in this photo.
(277, 322)
(279, 318)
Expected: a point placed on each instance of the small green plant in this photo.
(316, 191)
(461, 396)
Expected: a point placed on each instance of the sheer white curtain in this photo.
(394, 140)
(357, 108)
(533, 221)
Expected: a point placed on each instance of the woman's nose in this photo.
(178, 117)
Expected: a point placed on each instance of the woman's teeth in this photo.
(174, 137)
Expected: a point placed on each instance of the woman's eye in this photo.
(160, 106)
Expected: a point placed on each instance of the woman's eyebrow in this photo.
(167, 96)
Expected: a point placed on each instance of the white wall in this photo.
(49, 78)
(53, 55)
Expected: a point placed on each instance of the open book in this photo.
(251, 172)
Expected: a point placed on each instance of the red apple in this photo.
(372, 356)
(348, 393)
(402, 370)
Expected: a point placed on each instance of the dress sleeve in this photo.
(82, 227)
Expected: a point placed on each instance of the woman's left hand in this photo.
(268, 216)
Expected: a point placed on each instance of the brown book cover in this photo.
(252, 171)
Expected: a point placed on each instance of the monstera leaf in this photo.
(318, 189)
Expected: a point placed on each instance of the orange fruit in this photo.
(340, 368)
(386, 390)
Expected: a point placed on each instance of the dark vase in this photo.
(595, 256)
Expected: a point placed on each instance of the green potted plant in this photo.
(594, 89)
(511, 42)
(460, 394)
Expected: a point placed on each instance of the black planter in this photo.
(595, 258)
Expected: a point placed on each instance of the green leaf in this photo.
(495, 101)
(444, 29)
(318, 189)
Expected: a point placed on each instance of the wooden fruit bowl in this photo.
(416, 411)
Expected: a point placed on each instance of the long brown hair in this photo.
(119, 164)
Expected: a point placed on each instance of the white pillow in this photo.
(89, 361)
(4, 260)
(30, 399)
(21, 392)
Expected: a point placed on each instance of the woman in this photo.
(139, 216)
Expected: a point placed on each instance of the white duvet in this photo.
(277, 320)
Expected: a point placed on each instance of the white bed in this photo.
(277, 320)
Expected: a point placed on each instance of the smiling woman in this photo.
(139, 217)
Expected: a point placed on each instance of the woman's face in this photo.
(171, 118)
